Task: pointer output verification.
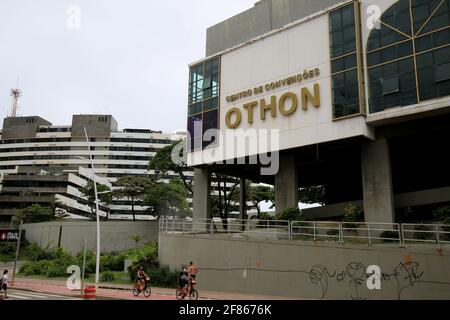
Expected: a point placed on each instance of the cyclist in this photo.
(183, 279)
(193, 270)
(141, 278)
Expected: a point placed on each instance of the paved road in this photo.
(14, 294)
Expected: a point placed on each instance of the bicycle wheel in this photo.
(136, 291)
(193, 295)
(179, 294)
(147, 292)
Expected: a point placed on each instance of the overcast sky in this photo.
(128, 58)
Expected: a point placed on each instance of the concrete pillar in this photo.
(377, 182)
(202, 187)
(286, 184)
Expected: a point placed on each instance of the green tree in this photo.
(133, 188)
(35, 213)
(104, 197)
(312, 195)
(258, 194)
(57, 209)
(254, 195)
(225, 201)
(169, 198)
(291, 214)
(162, 165)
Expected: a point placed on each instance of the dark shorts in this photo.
(182, 283)
(4, 286)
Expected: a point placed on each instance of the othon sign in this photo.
(287, 104)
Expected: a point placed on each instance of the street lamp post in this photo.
(97, 264)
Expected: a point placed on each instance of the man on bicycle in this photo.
(193, 270)
(183, 279)
(141, 278)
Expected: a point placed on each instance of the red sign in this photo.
(10, 235)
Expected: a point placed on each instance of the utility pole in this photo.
(17, 252)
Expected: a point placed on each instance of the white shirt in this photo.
(5, 279)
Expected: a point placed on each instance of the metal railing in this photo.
(370, 233)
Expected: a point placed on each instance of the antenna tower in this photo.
(15, 94)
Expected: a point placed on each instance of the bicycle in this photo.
(191, 292)
(147, 291)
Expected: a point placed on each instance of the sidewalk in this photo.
(117, 291)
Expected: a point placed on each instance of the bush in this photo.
(107, 277)
(443, 215)
(112, 262)
(292, 214)
(90, 261)
(352, 213)
(51, 263)
(8, 248)
(388, 235)
(55, 270)
(333, 232)
(58, 255)
(423, 235)
(163, 277)
(147, 257)
(35, 268)
(35, 253)
(266, 216)
(148, 252)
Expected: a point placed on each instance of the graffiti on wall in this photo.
(404, 276)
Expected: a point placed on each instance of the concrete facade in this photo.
(265, 16)
(286, 185)
(377, 182)
(202, 186)
(99, 126)
(309, 271)
(115, 236)
(22, 128)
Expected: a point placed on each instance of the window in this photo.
(345, 65)
(203, 100)
(434, 73)
(398, 76)
(390, 85)
(442, 72)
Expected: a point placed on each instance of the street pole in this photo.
(97, 265)
(17, 252)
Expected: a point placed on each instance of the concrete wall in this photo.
(310, 271)
(265, 16)
(94, 127)
(22, 127)
(114, 235)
